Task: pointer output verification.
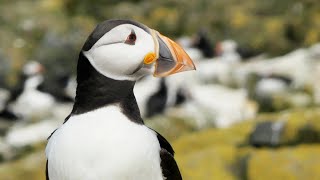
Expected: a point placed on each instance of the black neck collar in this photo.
(94, 91)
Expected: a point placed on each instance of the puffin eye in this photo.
(131, 39)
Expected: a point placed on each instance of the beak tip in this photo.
(190, 68)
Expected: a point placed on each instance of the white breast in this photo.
(103, 144)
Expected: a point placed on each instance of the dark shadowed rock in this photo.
(267, 134)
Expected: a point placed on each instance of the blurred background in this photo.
(250, 111)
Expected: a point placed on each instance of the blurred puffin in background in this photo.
(26, 100)
(62, 87)
(5, 113)
(231, 51)
(161, 94)
(203, 43)
(104, 137)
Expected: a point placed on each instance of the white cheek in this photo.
(116, 61)
(109, 59)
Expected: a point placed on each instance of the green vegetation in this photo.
(225, 153)
(31, 166)
(300, 162)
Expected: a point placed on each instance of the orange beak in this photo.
(40, 69)
(169, 57)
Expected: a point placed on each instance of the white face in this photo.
(229, 46)
(115, 58)
(32, 68)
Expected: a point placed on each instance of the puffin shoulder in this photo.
(168, 164)
(47, 173)
(164, 144)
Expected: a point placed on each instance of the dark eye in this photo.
(131, 39)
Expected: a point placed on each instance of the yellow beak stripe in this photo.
(152, 57)
(149, 58)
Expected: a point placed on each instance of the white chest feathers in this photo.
(103, 145)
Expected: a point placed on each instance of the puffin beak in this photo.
(169, 57)
(40, 69)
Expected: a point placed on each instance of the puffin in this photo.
(232, 51)
(162, 94)
(151, 100)
(203, 43)
(104, 136)
(59, 87)
(5, 113)
(26, 99)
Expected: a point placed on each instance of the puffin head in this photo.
(128, 50)
(32, 68)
